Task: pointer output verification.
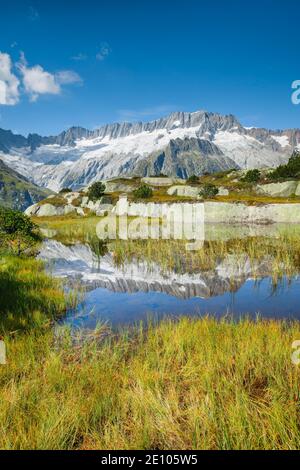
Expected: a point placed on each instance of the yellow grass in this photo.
(191, 384)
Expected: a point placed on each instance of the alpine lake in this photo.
(238, 271)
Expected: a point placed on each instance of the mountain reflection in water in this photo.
(137, 289)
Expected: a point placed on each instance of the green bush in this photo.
(252, 176)
(209, 191)
(17, 232)
(290, 170)
(13, 221)
(96, 190)
(143, 192)
(193, 179)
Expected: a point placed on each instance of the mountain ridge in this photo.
(16, 191)
(73, 133)
(179, 144)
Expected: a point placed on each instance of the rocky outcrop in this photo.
(222, 212)
(223, 191)
(44, 210)
(118, 186)
(285, 189)
(49, 210)
(72, 202)
(184, 190)
(219, 212)
(162, 181)
(184, 158)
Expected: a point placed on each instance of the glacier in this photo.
(180, 144)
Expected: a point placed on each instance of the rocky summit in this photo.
(179, 145)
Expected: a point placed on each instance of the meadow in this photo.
(188, 383)
(191, 384)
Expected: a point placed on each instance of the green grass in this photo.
(57, 200)
(191, 384)
(188, 384)
(280, 255)
(70, 229)
(29, 298)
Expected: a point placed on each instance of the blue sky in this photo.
(88, 63)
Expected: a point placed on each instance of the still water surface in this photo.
(236, 286)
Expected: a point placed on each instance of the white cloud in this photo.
(9, 83)
(38, 81)
(104, 51)
(67, 77)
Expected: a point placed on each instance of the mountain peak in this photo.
(182, 143)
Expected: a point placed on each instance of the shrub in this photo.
(143, 192)
(252, 176)
(209, 191)
(13, 221)
(96, 190)
(193, 179)
(17, 232)
(290, 170)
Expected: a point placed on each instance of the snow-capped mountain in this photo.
(179, 145)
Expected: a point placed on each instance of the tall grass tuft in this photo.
(28, 296)
(190, 384)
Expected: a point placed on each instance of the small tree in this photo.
(209, 191)
(143, 192)
(290, 170)
(96, 190)
(17, 232)
(193, 179)
(252, 176)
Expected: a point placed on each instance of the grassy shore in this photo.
(186, 384)
(29, 298)
(191, 384)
